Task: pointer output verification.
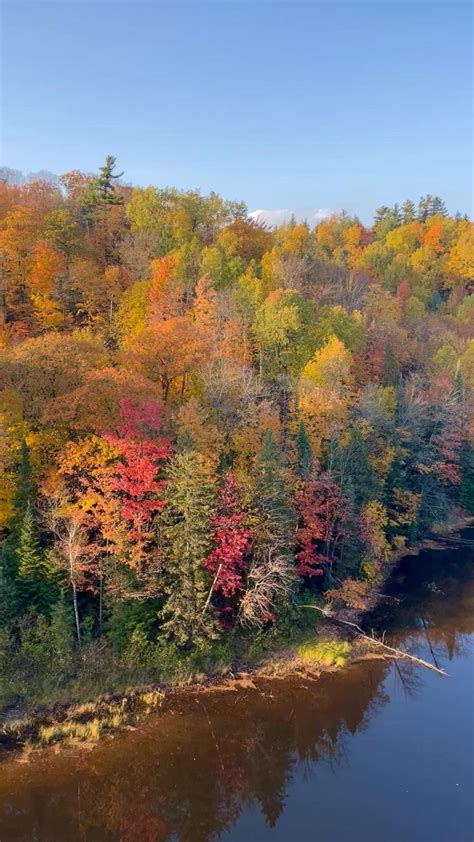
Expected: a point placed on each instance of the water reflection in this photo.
(191, 772)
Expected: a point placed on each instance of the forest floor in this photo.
(328, 647)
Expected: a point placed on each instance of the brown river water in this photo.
(380, 752)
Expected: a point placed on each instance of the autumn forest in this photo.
(207, 424)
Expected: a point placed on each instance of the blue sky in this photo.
(286, 105)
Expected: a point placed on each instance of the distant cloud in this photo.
(278, 217)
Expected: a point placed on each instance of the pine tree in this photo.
(8, 601)
(438, 207)
(354, 473)
(105, 183)
(190, 497)
(424, 208)
(61, 630)
(35, 587)
(391, 369)
(408, 211)
(458, 384)
(273, 497)
(271, 575)
(467, 477)
(25, 490)
(305, 456)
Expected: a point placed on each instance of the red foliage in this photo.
(404, 291)
(323, 511)
(448, 445)
(232, 541)
(134, 477)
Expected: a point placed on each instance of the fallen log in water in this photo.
(399, 653)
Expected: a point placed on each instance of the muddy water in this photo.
(379, 752)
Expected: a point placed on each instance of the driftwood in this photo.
(399, 653)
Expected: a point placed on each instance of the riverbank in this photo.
(328, 648)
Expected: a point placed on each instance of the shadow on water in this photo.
(289, 760)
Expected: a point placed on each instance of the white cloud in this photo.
(278, 217)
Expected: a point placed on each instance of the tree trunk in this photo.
(76, 613)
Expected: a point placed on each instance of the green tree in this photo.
(467, 477)
(305, 456)
(391, 369)
(353, 469)
(35, 586)
(190, 496)
(284, 333)
(408, 211)
(61, 629)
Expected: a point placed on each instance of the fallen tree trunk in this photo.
(399, 653)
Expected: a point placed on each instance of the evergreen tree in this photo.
(458, 384)
(305, 456)
(34, 583)
(424, 208)
(467, 477)
(391, 369)
(397, 214)
(8, 600)
(190, 496)
(272, 494)
(438, 207)
(353, 471)
(105, 183)
(25, 490)
(61, 630)
(408, 211)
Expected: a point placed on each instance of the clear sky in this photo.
(302, 105)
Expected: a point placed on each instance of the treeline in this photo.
(203, 419)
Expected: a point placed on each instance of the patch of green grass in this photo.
(327, 652)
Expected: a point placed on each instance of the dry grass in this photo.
(326, 652)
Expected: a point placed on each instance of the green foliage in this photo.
(61, 632)
(284, 332)
(363, 333)
(190, 499)
(272, 493)
(336, 321)
(467, 478)
(305, 456)
(391, 369)
(35, 586)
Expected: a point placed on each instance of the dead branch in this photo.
(399, 653)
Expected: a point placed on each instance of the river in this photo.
(380, 752)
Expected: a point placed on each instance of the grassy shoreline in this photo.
(327, 648)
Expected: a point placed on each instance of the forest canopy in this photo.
(204, 421)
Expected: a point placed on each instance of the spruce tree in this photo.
(355, 472)
(34, 583)
(408, 211)
(61, 629)
(305, 456)
(458, 384)
(466, 496)
(105, 183)
(272, 494)
(391, 369)
(190, 496)
(25, 490)
(438, 207)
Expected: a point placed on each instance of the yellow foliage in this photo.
(461, 256)
(331, 367)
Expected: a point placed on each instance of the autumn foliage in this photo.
(201, 416)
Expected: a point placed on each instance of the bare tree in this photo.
(67, 523)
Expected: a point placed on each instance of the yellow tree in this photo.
(43, 280)
(325, 391)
